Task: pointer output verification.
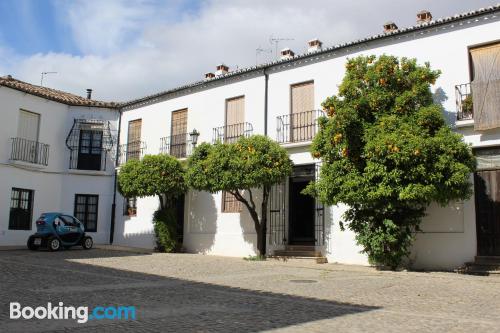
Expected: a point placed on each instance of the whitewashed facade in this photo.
(266, 101)
(35, 157)
(449, 234)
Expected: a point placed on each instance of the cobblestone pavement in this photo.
(196, 293)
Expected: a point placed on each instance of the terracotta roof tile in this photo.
(53, 94)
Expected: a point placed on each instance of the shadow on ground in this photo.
(163, 304)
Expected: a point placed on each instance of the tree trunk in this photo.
(259, 224)
(162, 204)
(262, 232)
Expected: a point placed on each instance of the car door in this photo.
(70, 231)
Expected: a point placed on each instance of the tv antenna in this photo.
(276, 40)
(43, 74)
(260, 50)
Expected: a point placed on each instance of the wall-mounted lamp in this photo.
(194, 137)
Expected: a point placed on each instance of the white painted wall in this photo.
(445, 242)
(55, 186)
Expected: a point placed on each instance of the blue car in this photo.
(56, 230)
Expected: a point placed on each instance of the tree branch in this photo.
(251, 198)
(250, 207)
(240, 198)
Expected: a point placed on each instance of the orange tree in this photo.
(256, 162)
(162, 176)
(387, 153)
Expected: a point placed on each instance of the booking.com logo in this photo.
(80, 314)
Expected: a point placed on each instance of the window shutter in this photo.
(134, 131)
(235, 111)
(303, 97)
(178, 133)
(302, 111)
(28, 125)
(179, 122)
(134, 139)
(230, 204)
(486, 87)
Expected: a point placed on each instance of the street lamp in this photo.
(194, 137)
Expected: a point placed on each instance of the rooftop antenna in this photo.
(275, 41)
(43, 74)
(260, 50)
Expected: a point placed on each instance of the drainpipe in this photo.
(266, 85)
(113, 206)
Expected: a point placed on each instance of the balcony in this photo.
(231, 133)
(298, 127)
(463, 95)
(29, 151)
(178, 145)
(131, 151)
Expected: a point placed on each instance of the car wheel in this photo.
(31, 244)
(54, 244)
(87, 243)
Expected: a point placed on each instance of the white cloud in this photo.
(103, 27)
(132, 49)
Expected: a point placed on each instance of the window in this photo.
(302, 112)
(230, 204)
(86, 210)
(235, 118)
(134, 139)
(130, 206)
(90, 149)
(21, 209)
(178, 133)
(28, 125)
(25, 146)
(69, 221)
(485, 86)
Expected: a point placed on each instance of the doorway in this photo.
(179, 215)
(301, 217)
(487, 197)
(89, 150)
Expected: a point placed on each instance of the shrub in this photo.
(165, 227)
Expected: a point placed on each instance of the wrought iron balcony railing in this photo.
(231, 133)
(298, 127)
(134, 150)
(178, 145)
(463, 95)
(29, 151)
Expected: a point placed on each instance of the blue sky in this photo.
(34, 27)
(125, 49)
(41, 26)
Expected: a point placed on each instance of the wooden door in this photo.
(487, 197)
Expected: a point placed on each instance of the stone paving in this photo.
(196, 293)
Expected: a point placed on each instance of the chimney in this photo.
(89, 93)
(314, 45)
(287, 54)
(221, 70)
(390, 27)
(209, 75)
(424, 16)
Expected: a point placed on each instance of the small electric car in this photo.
(56, 230)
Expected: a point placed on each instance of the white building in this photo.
(55, 156)
(281, 99)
